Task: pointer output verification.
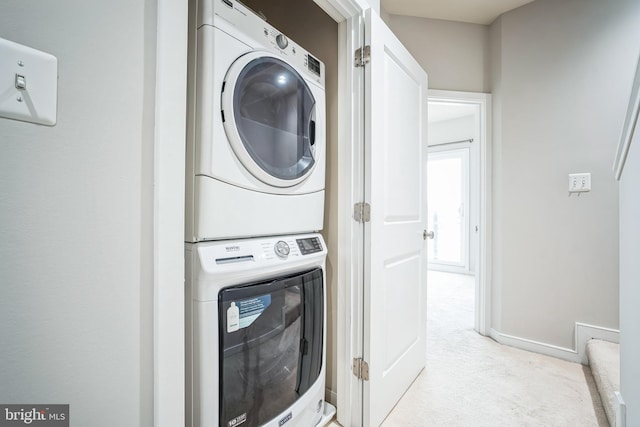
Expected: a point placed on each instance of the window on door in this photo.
(448, 203)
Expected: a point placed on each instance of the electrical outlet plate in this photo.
(579, 182)
(28, 84)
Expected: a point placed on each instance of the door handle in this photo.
(430, 235)
(312, 132)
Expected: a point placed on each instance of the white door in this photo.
(395, 252)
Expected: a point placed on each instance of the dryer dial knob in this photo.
(282, 41)
(282, 249)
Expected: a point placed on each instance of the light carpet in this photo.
(470, 380)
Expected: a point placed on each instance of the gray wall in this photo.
(629, 284)
(76, 217)
(454, 54)
(561, 80)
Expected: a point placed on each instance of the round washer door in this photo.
(269, 118)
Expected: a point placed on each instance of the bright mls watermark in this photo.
(34, 415)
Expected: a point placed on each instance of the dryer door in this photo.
(269, 117)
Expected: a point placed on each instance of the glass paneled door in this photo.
(448, 204)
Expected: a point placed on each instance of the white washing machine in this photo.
(256, 332)
(257, 139)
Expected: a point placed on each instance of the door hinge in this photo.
(361, 369)
(362, 212)
(363, 56)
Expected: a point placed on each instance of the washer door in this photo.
(269, 117)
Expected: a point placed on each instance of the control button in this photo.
(282, 41)
(282, 249)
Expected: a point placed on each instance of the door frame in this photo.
(350, 311)
(483, 272)
(168, 228)
(169, 221)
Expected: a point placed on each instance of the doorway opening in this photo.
(457, 200)
(448, 201)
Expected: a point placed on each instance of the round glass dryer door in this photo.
(269, 118)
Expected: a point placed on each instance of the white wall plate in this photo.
(579, 182)
(28, 84)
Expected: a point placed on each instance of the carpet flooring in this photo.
(470, 380)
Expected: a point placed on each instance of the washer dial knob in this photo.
(281, 248)
(282, 41)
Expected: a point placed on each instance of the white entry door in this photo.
(395, 278)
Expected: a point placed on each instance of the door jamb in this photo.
(168, 231)
(349, 15)
(483, 278)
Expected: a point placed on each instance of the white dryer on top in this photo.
(256, 141)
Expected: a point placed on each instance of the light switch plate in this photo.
(579, 182)
(28, 84)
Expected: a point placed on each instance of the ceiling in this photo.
(472, 11)
(441, 111)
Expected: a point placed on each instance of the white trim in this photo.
(341, 10)
(583, 333)
(621, 411)
(330, 396)
(483, 267)
(169, 180)
(349, 315)
(350, 239)
(629, 126)
(535, 346)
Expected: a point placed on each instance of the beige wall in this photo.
(76, 216)
(559, 72)
(306, 24)
(455, 55)
(560, 83)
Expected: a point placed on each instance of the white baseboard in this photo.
(583, 333)
(330, 396)
(621, 411)
(586, 332)
(535, 346)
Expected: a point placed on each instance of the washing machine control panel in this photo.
(309, 245)
(282, 249)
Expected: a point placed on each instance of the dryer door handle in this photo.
(312, 132)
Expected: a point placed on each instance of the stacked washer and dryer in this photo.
(255, 263)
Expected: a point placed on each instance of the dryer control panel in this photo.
(240, 21)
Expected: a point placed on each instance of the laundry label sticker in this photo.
(251, 309)
(233, 318)
(238, 420)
